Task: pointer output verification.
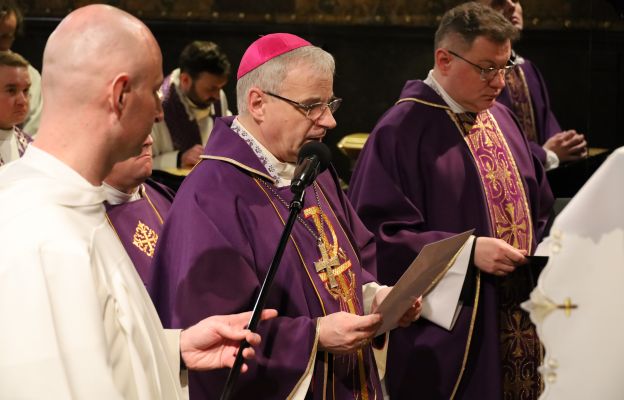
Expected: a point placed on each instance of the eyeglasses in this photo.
(487, 74)
(312, 111)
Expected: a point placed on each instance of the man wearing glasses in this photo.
(444, 159)
(224, 226)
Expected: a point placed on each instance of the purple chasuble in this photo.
(182, 127)
(138, 225)
(216, 247)
(416, 182)
(528, 79)
(23, 140)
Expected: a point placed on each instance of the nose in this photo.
(499, 80)
(23, 98)
(327, 120)
(149, 140)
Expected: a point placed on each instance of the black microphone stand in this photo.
(295, 207)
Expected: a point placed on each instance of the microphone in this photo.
(314, 158)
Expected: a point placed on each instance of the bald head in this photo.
(90, 47)
(102, 68)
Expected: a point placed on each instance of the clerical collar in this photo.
(115, 196)
(433, 84)
(516, 58)
(6, 134)
(281, 172)
(191, 108)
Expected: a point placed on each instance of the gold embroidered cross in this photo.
(567, 306)
(145, 239)
(326, 263)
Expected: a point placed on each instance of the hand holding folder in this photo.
(433, 261)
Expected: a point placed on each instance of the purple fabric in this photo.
(216, 247)
(182, 127)
(125, 218)
(23, 140)
(415, 182)
(546, 123)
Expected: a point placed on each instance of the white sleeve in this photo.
(163, 153)
(52, 342)
(552, 161)
(441, 306)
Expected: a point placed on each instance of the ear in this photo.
(256, 104)
(442, 60)
(120, 89)
(185, 81)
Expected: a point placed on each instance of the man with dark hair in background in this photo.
(192, 98)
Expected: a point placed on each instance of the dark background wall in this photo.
(378, 45)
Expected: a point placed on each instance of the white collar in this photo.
(433, 84)
(7, 134)
(69, 188)
(281, 172)
(115, 196)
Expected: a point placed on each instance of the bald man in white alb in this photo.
(76, 319)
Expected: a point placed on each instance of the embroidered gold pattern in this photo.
(347, 303)
(510, 219)
(340, 282)
(521, 102)
(145, 239)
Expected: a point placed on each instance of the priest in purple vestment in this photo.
(227, 218)
(136, 208)
(444, 159)
(14, 102)
(192, 97)
(526, 95)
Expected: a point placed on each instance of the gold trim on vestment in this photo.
(342, 268)
(238, 164)
(453, 117)
(470, 332)
(520, 185)
(313, 286)
(310, 362)
(144, 194)
(427, 103)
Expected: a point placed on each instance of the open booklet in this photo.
(433, 261)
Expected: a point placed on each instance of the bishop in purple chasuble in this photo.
(215, 250)
(138, 225)
(525, 93)
(424, 175)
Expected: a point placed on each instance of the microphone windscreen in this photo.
(318, 149)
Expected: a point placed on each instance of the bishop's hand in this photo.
(344, 333)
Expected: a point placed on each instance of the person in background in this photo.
(14, 96)
(192, 98)
(11, 22)
(525, 93)
(136, 208)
